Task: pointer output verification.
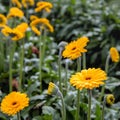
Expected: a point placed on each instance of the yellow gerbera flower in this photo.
(114, 54)
(14, 102)
(88, 79)
(52, 89)
(3, 19)
(17, 3)
(42, 23)
(43, 6)
(33, 17)
(15, 33)
(74, 49)
(15, 12)
(27, 3)
(22, 27)
(110, 99)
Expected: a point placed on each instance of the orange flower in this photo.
(43, 6)
(75, 49)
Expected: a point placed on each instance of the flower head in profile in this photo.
(110, 99)
(14, 103)
(41, 23)
(43, 6)
(114, 54)
(88, 78)
(16, 3)
(27, 3)
(52, 89)
(75, 49)
(3, 19)
(16, 33)
(15, 12)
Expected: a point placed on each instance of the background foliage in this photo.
(99, 20)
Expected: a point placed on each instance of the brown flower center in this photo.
(111, 99)
(88, 78)
(14, 103)
(73, 48)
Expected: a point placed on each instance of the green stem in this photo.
(78, 105)
(59, 64)
(63, 107)
(21, 65)
(84, 60)
(66, 75)
(10, 64)
(103, 108)
(78, 92)
(40, 63)
(44, 45)
(2, 56)
(18, 116)
(106, 70)
(89, 104)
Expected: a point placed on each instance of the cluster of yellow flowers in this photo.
(14, 102)
(25, 3)
(36, 24)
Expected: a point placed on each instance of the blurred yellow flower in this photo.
(35, 30)
(33, 17)
(3, 19)
(15, 33)
(114, 54)
(16, 3)
(75, 49)
(15, 12)
(27, 3)
(110, 99)
(88, 78)
(42, 23)
(22, 27)
(43, 6)
(52, 89)
(14, 102)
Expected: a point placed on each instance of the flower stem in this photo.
(18, 116)
(66, 75)
(63, 107)
(89, 104)
(21, 65)
(59, 64)
(78, 92)
(106, 70)
(40, 63)
(103, 108)
(13, 46)
(84, 60)
(78, 105)
(44, 44)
